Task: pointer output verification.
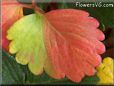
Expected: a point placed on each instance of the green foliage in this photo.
(12, 72)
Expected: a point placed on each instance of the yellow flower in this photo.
(105, 71)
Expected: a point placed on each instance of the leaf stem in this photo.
(33, 6)
(33, 3)
(27, 6)
(36, 8)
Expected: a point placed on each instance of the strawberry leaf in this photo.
(62, 42)
(11, 12)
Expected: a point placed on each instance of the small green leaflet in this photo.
(27, 42)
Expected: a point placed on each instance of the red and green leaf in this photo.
(62, 42)
(11, 12)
